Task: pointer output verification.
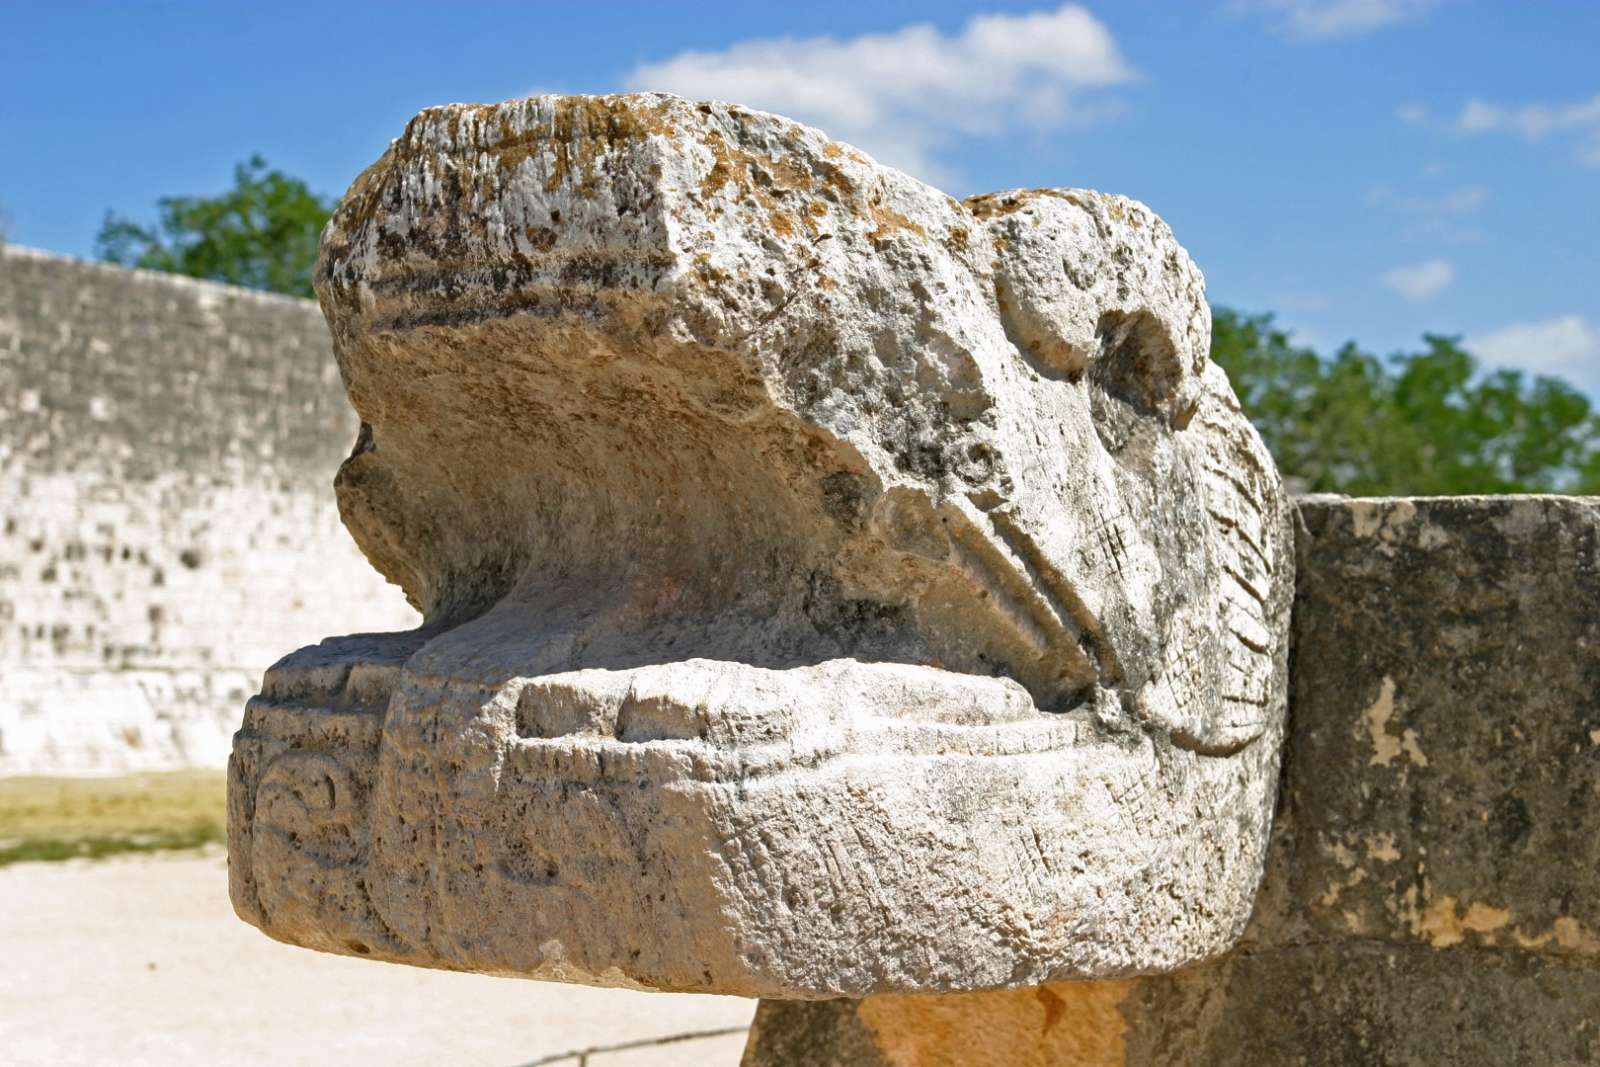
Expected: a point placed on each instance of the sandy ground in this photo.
(140, 960)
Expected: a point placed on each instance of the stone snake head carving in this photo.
(830, 587)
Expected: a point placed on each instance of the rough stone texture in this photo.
(1448, 665)
(1432, 887)
(1060, 1024)
(165, 451)
(830, 587)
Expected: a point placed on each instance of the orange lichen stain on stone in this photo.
(1407, 909)
(721, 172)
(1347, 858)
(1567, 933)
(1413, 750)
(835, 150)
(1381, 847)
(990, 205)
(993, 205)
(767, 181)
(1330, 896)
(1571, 935)
(1445, 924)
(781, 225)
(583, 128)
(703, 267)
(1053, 1025)
(1386, 746)
(478, 116)
(542, 238)
(808, 218)
(890, 222)
(834, 183)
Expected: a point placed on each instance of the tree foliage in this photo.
(262, 233)
(1418, 423)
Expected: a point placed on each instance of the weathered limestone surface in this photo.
(166, 447)
(1433, 889)
(830, 587)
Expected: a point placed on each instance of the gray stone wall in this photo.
(167, 525)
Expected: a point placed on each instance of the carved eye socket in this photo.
(1137, 363)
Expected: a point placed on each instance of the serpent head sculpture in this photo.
(829, 587)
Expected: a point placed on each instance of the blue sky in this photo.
(1368, 169)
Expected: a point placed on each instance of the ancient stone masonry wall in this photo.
(167, 449)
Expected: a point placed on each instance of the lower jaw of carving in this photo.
(830, 830)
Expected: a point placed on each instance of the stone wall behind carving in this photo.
(167, 519)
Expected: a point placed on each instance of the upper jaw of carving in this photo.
(771, 514)
(685, 380)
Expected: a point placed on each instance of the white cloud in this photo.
(1462, 201)
(1530, 120)
(1421, 281)
(1567, 347)
(1322, 20)
(904, 95)
(1412, 114)
(1534, 122)
(1437, 218)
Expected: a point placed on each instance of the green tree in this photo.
(262, 233)
(1417, 423)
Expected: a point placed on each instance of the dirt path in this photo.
(141, 961)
